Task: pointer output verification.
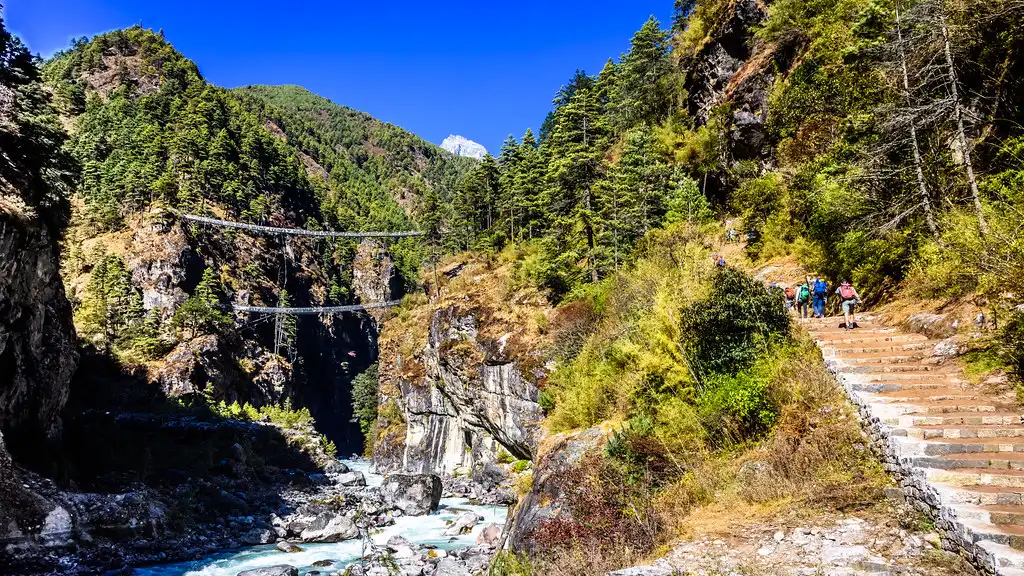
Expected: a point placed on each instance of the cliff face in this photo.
(37, 339)
(455, 398)
(731, 75)
(37, 360)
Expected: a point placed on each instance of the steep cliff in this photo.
(459, 374)
(38, 357)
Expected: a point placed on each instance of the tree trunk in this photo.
(959, 117)
(926, 202)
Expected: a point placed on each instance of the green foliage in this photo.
(736, 407)
(685, 353)
(365, 398)
(33, 165)
(511, 564)
(201, 313)
(738, 322)
(520, 466)
(686, 203)
(111, 310)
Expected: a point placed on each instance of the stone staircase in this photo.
(957, 451)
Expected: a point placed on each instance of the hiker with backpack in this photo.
(803, 300)
(850, 299)
(790, 298)
(819, 288)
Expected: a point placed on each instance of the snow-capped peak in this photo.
(463, 146)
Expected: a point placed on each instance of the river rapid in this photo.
(421, 530)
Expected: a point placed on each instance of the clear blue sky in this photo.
(481, 69)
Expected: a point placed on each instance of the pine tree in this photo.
(685, 202)
(576, 150)
(285, 327)
(636, 198)
(642, 87)
(34, 163)
(201, 312)
(510, 200)
(530, 188)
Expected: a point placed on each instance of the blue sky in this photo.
(480, 69)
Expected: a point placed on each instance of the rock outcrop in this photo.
(38, 352)
(473, 398)
(38, 357)
(544, 500)
(413, 494)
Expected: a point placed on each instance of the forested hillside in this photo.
(874, 140)
(152, 137)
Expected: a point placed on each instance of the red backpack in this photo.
(789, 292)
(846, 291)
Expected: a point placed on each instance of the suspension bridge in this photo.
(270, 230)
(276, 231)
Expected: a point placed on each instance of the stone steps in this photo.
(955, 448)
(926, 432)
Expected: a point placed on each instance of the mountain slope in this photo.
(151, 134)
(356, 151)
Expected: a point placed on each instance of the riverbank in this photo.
(459, 534)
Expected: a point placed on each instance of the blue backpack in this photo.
(820, 287)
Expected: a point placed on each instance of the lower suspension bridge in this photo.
(301, 232)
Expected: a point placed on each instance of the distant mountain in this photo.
(463, 147)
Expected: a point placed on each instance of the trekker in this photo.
(820, 290)
(803, 300)
(790, 298)
(850, 299)
(721, 262)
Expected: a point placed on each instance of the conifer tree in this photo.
(686, 202)
(510, 201)
(576, 150)
(641, 181)
(642, 85)
(530, 188)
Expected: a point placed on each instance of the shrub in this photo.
(725, 333)
(364, 398)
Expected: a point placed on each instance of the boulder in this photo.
(489, 536)
(351, 479)
(947, 348)
(257, 536)
(413, 494)
(937, 326)
(329, 527)
(288, 547)
(451, 567)
(464, 524)
(279, 570)
(543, 503)
(335, 467)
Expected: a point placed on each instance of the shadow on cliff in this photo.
(122, 432)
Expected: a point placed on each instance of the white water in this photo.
(417, 529)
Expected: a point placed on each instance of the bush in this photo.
(739, 320)
(364, 398)
(737, 407)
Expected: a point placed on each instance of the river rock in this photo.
(280, 570)
(288, 547)
(451, 567)
(335, 467)
(351, 479)
(258, 536)
(413, 494)
(330, 527)
(489, 536)
(464, 524)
